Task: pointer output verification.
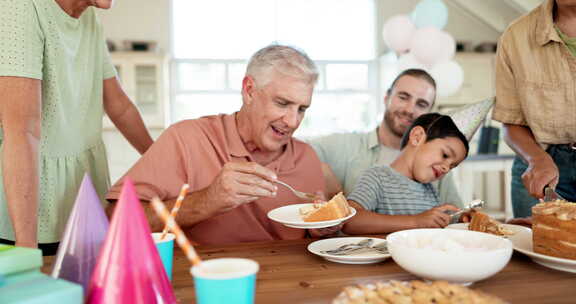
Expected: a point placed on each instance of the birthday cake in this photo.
(554, 229)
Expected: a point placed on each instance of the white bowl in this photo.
(458, 256)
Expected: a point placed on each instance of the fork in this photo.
(346, 247)
(380, 248)
(473, 204)
(302, 195)
(358, 247)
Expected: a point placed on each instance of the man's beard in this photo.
(396, 130)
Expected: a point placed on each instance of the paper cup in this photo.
(166, 250)
(227, 280)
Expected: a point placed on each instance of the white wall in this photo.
(121, 155)
(133, 20)
(150, 20)
(138, 20)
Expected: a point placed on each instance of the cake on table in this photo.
(416, 292)
(484, 223)
(554, 229)
(334, 209)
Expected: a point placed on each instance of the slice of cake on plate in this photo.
(554, 229)
(334, 209)
(484, 223)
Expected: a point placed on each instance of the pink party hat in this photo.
(470, 117)
(85, 232)
(129, 269)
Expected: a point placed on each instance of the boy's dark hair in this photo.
(436, 125)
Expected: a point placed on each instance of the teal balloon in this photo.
(430, 13)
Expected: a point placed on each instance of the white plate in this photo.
(522, 241)
(517, 229)
(290, 216)
(513, 228)
(358, 258)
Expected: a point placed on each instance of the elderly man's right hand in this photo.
(239, 183)
(541, 171)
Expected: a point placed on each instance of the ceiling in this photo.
(496, 14)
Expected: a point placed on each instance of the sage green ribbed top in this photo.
(39, 40)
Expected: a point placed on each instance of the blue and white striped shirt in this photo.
(384, 190)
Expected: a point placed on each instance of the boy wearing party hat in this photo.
(347, 155)
(400, 196)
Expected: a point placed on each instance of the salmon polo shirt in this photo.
(194, 152)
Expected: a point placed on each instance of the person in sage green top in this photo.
(347, 156)
(56, 82)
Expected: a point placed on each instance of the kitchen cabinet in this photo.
(145, 79)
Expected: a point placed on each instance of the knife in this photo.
(550, 195)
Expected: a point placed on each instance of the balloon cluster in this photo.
(419, 42)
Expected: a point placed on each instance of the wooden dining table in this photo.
(290, 274)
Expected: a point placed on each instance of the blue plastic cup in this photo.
(227, 280)
(166, 250)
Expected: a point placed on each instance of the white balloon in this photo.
(397, 33)
(408, 61)
(449, 77)
(431, 45)
(449, 45)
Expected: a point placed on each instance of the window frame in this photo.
(374, 78)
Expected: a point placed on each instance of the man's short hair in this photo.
(417, 73)
(284, 59)
(435, 125)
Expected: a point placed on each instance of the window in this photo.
(213, 39)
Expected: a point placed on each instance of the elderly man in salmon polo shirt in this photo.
(231, 162)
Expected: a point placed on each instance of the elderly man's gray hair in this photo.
(283, 59)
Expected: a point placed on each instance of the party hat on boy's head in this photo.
(470, 117)
(129, 269)
(85, 232)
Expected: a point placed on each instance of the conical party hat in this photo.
(84, 234)
(129, 269)
(470, 117)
